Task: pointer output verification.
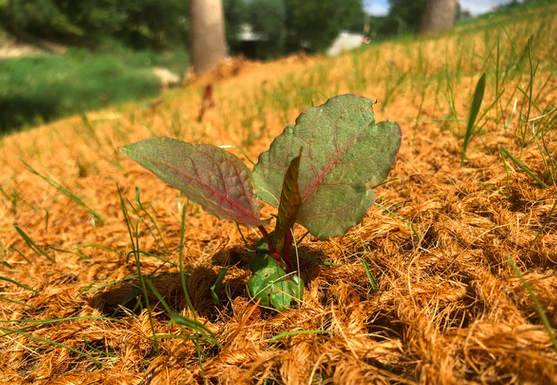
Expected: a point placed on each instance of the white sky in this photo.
(476, 7)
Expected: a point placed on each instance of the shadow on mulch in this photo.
(120, 300)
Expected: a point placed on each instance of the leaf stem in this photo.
(269, 241)
(286, 250)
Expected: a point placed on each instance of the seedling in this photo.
(320, 173)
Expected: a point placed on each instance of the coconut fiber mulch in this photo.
(441, 303)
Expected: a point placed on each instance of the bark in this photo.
(208, 44)
(439, 15)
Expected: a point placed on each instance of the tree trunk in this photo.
(208, 44)
(439, 15)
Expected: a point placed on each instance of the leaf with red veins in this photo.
(346, 153)
(208, 175)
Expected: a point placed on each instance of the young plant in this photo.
(319, 172)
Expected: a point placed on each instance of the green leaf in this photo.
(206, 174)
(346, 153)
(290, 203)
(472, 115)
(271, 285)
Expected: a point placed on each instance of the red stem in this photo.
(286, 250)
(272, 249)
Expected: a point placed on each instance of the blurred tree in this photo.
(314, 24)
(438, 15)
(462, 14)
(403, 17)
(208, 44)
(155, 23)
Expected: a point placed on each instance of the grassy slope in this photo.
(44, 88)
(449, 307)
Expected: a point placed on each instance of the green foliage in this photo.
(34, 90)
(235, 14)
(314, 24)
(270, 284)
(404, 17)
(346, 154)
(473, 114)
(139, 24)
(268, 19)
(292, 25)
(320, 173)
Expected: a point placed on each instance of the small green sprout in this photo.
(319, 173)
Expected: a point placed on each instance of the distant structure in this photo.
(248, 41)
(167, 78)
(346, 41)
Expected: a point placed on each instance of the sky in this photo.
(476, 7)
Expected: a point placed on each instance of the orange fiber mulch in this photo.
(447, 307)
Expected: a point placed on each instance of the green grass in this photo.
(35, 90)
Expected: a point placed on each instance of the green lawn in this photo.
(34, 90)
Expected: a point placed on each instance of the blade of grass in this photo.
(243, 238)
(181, 262)
(544, 224)
(472, 115)
(32, 245)
(503, 151)
(19, 284)
(370, 277)
(36, 323)
(20, 253)
(215, 288)
(126, 217)
(530, 91)
(140, 205)
(180, 320)
(56, 344)
(324, 263)
(89, 288)
(241, 150)
(6, 263)
(65, 191)
(18, 302)
(98, 350)
(142, 283)
(136, 252)
(200, 351)
(537, 305)
(80, 255)
(408, 223)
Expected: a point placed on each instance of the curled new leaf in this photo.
(290, 203)
(206, 174)
(346, 153)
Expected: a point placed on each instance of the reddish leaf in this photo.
(206, 174)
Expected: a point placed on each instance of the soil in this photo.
(447, 307)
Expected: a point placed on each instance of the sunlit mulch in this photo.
(448, 308)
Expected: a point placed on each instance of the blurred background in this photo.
(60, 57)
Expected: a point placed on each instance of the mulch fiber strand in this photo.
(447, 307)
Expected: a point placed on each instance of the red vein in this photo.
(235, 205)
